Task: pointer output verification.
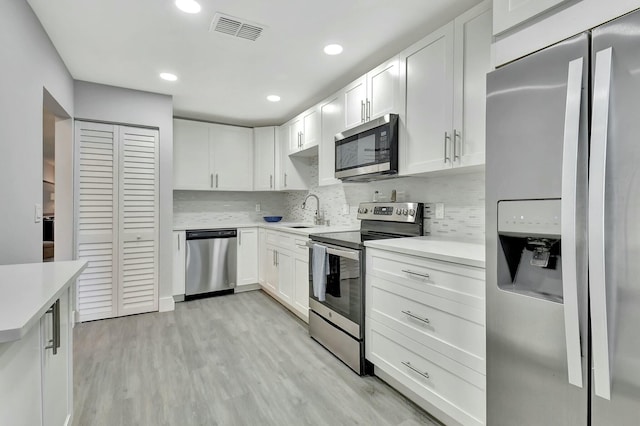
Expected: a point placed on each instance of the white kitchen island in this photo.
(36, 344)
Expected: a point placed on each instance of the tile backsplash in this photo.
(462, 195)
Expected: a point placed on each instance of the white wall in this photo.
(99, 102)
(30, 63)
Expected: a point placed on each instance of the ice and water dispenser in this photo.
(529, 253)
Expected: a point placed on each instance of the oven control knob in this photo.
(398, 211)
(359, 209)
(366, 210)
(405, 211)
(412, 212)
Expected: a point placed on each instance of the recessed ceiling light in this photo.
(188, 6)
(273, 98)
(333, 49)
(168, 76)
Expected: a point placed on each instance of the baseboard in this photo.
(246, 287)
(166, 304)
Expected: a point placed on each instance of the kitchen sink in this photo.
(300, 226)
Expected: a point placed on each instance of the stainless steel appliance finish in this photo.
(337, 320)
(211, 261)
(368, 151)
(563, 348)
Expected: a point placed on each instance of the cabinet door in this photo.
(138, 221)
(96, 191)
(57, 374)
(21, 380)
(262, 256)
(179, 263)
(509, 13)
(284, 263)
(293, 172)
(310, 128)
(383, 89)
(427, 85)
(332, 123)
(471, 65)
(301, 284)
(354, 99)
(264, 149)
(247, 256)
(231, 156)
(295, 127)
(271, 271)
(191, 169)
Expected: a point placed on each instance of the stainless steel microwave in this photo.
(368, 151)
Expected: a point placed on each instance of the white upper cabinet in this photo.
(292, 172)
(332, 122)
(373, 95)
(264, 148)
(509, 13)
(231, 150)
(212, 156)
(426, 122)
(304, 133)
(355, 95)
(472, 62)
(383, 89)
(190, 155)
(443, 83)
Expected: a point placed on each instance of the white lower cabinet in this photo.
(425, 330)
(36, 385)
(247, 272)
(179, 264)
(286, 270)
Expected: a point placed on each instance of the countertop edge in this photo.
(451, 258)
(14, 334)
(312, 229)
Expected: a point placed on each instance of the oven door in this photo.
(342, 301)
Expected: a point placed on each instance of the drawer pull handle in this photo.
(411, 367)
(407, 271)
(412, 315)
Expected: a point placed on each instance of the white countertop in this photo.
(276, 226)
(466, 253)
(28, 290)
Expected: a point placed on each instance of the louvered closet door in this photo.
(138, 220)
(96, 237)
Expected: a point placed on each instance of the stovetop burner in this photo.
(379, 221)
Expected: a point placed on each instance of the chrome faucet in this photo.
(319, 217)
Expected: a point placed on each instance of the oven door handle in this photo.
(353, 255)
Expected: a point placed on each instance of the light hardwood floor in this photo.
(240, 359)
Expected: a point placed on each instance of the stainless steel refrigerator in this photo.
(563, 232)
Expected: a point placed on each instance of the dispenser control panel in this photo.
(529, 217)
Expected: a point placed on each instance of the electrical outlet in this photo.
(439, 210)
(258, 208)
(38, 213)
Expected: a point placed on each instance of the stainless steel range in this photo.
(337, 276)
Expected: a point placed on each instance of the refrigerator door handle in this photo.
(597, 186)
(568, 221)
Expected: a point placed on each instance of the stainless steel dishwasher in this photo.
(211, 262)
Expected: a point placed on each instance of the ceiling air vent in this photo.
(236, 27)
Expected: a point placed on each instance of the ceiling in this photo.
(127, 43)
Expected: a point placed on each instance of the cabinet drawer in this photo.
(456, 390)
(459, 283)
(453, 329)
(300, 247)
(280, 239)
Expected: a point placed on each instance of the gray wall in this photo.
(30, 64)
(98, 102)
